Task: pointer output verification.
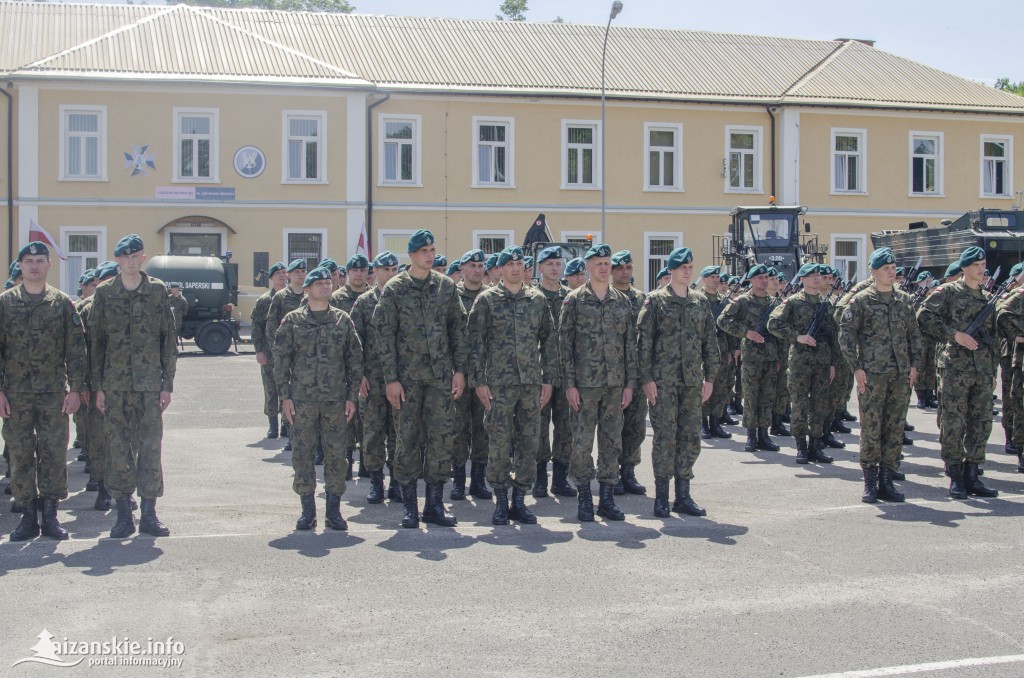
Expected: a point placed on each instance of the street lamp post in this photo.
(616, 8)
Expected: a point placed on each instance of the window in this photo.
(663, 145)
(82, 247)
(83, 152)
(849, 151)
(195, 145)
(400, 150)
(848, 255)
(743, 159)
(308, 245)
(996, 166)
(581, 157)
(395, 240)
(305, 147)
(657, 247)
(492, 242)
(492, 153)
(926, 163)
(195, 244)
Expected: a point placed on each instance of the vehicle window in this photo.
(769, 231)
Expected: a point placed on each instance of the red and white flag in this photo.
(37, 232)
(363, 246)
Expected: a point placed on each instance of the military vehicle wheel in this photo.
(214, 339)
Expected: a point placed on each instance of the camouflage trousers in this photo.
(758, 392)
(1013, 407)
(634, 430)
(781, 388)
(424, 425)
(98, 448)
(378, 429)
(470, 432)
(271, 404)
(134, 428)
(809, 389)
(841, 388)
(926, 378)
(738, 388)
(883, 408)
(354, 429)
(965, 418)
(36, 435)
(721, 392)
(1016, 396)
(557, 445)
(675, 417)
(322, 421)
(514, 418)
(600, 410)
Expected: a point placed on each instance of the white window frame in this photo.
(214, 115)
(509, 236)
(101, 146)
(939, 165)
(384, 233)
(70, 286)
(657, 235)
(677, 149)
(758, 153)
(322, 232)
(222, 231)
(862, 246)
(862, 154)
(598, 155)
(510, 152)
(417, 148)
(321, 117)
(1008, 164)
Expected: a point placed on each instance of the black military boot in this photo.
(519, 512)
(838, 426)
(307, 520)
(1010, 447)
(618, 488)
(886, 490)
(955, 471)
(870, 495)
(802, 456)
(28, 528)
(585, 512)
(737, 406)
(661, 507)
(778, 428)
(93, 485)
(478, 483)
(606, 507)
(376, 493)
(318, 460)
(933, 399)
(148, 522)
(705, 430)
(684, 502)
(332, 514)
(102, 499)
(764, 442)
(88, 466)
(125, 524)
(831, 441)
(411, 518)
(1020, 462)
(273, 432)
(973, 483)
(458, 492)
(751, 445)
(540, 485)
(500, 515)
(287, 446)
(629, 482)
(907, 426)
(286, 430)
(349, 459)
(898, 474)
(394, 489)
(907, 440)
(816, 452)
(922, 399)
(433, 507)
(716, 428)
(560, 484)
(726, 419)
(83, 453)
(787, 414)
(49, 525)
(364, 471)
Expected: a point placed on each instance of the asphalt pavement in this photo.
(789, 574)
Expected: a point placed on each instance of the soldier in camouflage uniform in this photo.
(278, 278)
(42, 353)
(1010, 320)
(283, 303)
(879, 339)
(679, 357)
(781, 401)
(490, 275)
(599, 368)
(926, 380)
(714, 407)
(967, 368)
(512, 362)
(634, 417)
(421, 326)
(455, 271)
(555, 445)
(84, 433)
(812, 360)
(134, 359)
(576, 273)
(318, 367)
(344, 298)
(179, 306)
(98, 450)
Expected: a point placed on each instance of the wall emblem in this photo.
(250, 162)
(139, 161)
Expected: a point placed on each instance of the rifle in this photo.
(975, 329)
(992, 281)
(725, 298)
(908, 281)
(922, 292)
(762, 323)
(822, 308)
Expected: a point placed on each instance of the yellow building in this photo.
(276, 135)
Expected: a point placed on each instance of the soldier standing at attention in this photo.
(318, 366)
(455, 271)
(679, 358)
(179, 306)
(98, 440)
(283, 303)
(576, 273)
(513, 360)
(440, 263)
(344, 298)
(598, 354)
(926, 386)
(967, 368)
(42, 353)
(634, 417)
(278, 278)
(422, 330)
(490, 275)
(338, 273)
(812, 362)
(1010, 319)
(135, 355)
(84, 436)
(879, 338)
(781, 402)
(711, 426)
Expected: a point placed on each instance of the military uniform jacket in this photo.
(133, 337)
(794, 317)
(880, 335)
(555, 299)
(42, 347)
(512, 339)
(1010, 321)
(422, 329)
(678, 342)
(597, 340)
(259, 322)
(283, 303)
(318, 359)
(468, 296)
(362, 318)
(742, 314)
(179, 307)
(344, 298)
(84, 307)
(636, 300)
(950, 309)
(726, 342)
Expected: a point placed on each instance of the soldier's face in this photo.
(384, 274)
(357, 276)
(34, 267)
(336, 279)
(88, 289)
(297, 277)
(551, 269)
(975, 273)
(812, 282)
(600, 268)
(279, 279)
(473, 272)
(773, 285)
(759, 283)
(577, 279)
(423, 258)
(513, 272)
(885, 275)
(175, 291)
(665, 280)
(371, 276)
(131, 263)
(320, 290)
(682, 274)
(622, 274)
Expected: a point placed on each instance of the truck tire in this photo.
(214, 338)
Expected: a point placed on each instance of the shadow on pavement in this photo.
(316, 543)
(527, 538)
(703, 528)
(979, 508)
(29, 555)
(431, 546)
(110, 555)
(624, 534)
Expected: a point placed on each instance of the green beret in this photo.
(825, 269)
(278, 266)
(724, 277)
(330, 264)
(1017, 269)
(13, 268)
(342, 270)
(420, 238)
(386, 258)
(491, 262)
(318, 273)
(952, 269)
(923, 275)
(172, 285)
(678, 257)
(807, 269)
(622, 258)
(528, 262)
(107, 270)
(9, 284)
(130, 244)
(357, 261)
(661, 274)
(510, 254)
(971, 255)
(598, 250)
(554, 252)
(760, 269)
(297, 265)
(987, 273)
(473, 255)
(454, 267)
(901, 272)
(440, 260)
(710, 270)
(772, 271)
(34, 247)
(575, 266)
(90, 274)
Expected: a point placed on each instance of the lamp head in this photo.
(616, 8)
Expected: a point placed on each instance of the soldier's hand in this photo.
(862, 381)
(545, 394)
(458, 384)
(913, 377)
(754, 337)
(261, 358)
(350, 410)
(1019, 340)
(572, 394)
(84, 397)
(364, 388)
(484, 394)
(966, 340)
(736, 355)
(651, 391)
(288, 410)
(165, 400)
(806, 340)
(71, 403)
(705, 390)
(627, 397)
(396, 394)
(5, 405)
(831, 373)
(101, 402)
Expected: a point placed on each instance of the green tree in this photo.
(558, 20)
(1012, 87)
(334, 6)
(512, 10)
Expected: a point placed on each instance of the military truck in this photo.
(774, 235)
(997, 231)
(210, 285)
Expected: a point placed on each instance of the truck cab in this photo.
(769, 235)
